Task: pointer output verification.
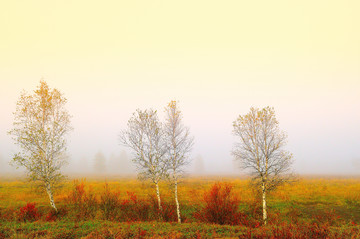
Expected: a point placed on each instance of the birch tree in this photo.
(179, 144)
(144, 136)
(260, 149)
(39, 129)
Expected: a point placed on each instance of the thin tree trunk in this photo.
(51, 198)
(177, 203)
(158, 195)
(264, 203)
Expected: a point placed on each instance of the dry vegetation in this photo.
(127, 208)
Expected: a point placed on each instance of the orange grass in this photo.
(191, 190)
(307, 208)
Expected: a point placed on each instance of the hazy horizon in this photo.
(217, 60)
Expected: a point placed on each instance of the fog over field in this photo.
(217, 66)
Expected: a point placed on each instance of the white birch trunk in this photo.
(51, 198)
(177, 203)
(158, 195)
(264, 203)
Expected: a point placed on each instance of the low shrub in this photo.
(134, 209)
(53, 215)
(28, 213)
(221, 206)
(82, 203)
(168, 212)
(109, 203)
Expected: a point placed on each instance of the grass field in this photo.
(126, 208)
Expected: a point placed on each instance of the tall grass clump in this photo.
(81, 202)
(221, 206)
(134, 209)
(109, 203)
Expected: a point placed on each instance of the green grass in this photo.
(330, 203)
(82, 229)
(106, 229)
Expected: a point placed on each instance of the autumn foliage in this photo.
(221, 206)
(81, 202)
(109, 203)
(134, 209)
(28, 213)
(128, 209)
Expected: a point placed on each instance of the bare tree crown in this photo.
(40, 126)
(144, 135)
(178, 139)
(260, 146)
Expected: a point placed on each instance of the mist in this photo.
(306, 67)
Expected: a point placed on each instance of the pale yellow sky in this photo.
(218, 58)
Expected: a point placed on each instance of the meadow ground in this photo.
(311, 207)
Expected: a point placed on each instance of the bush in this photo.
(53, 215)
(168, 212)
(221, 206)
(28, 213)
(82, 203)
(109, 203)
(134, 209)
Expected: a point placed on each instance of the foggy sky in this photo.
(216, 59)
